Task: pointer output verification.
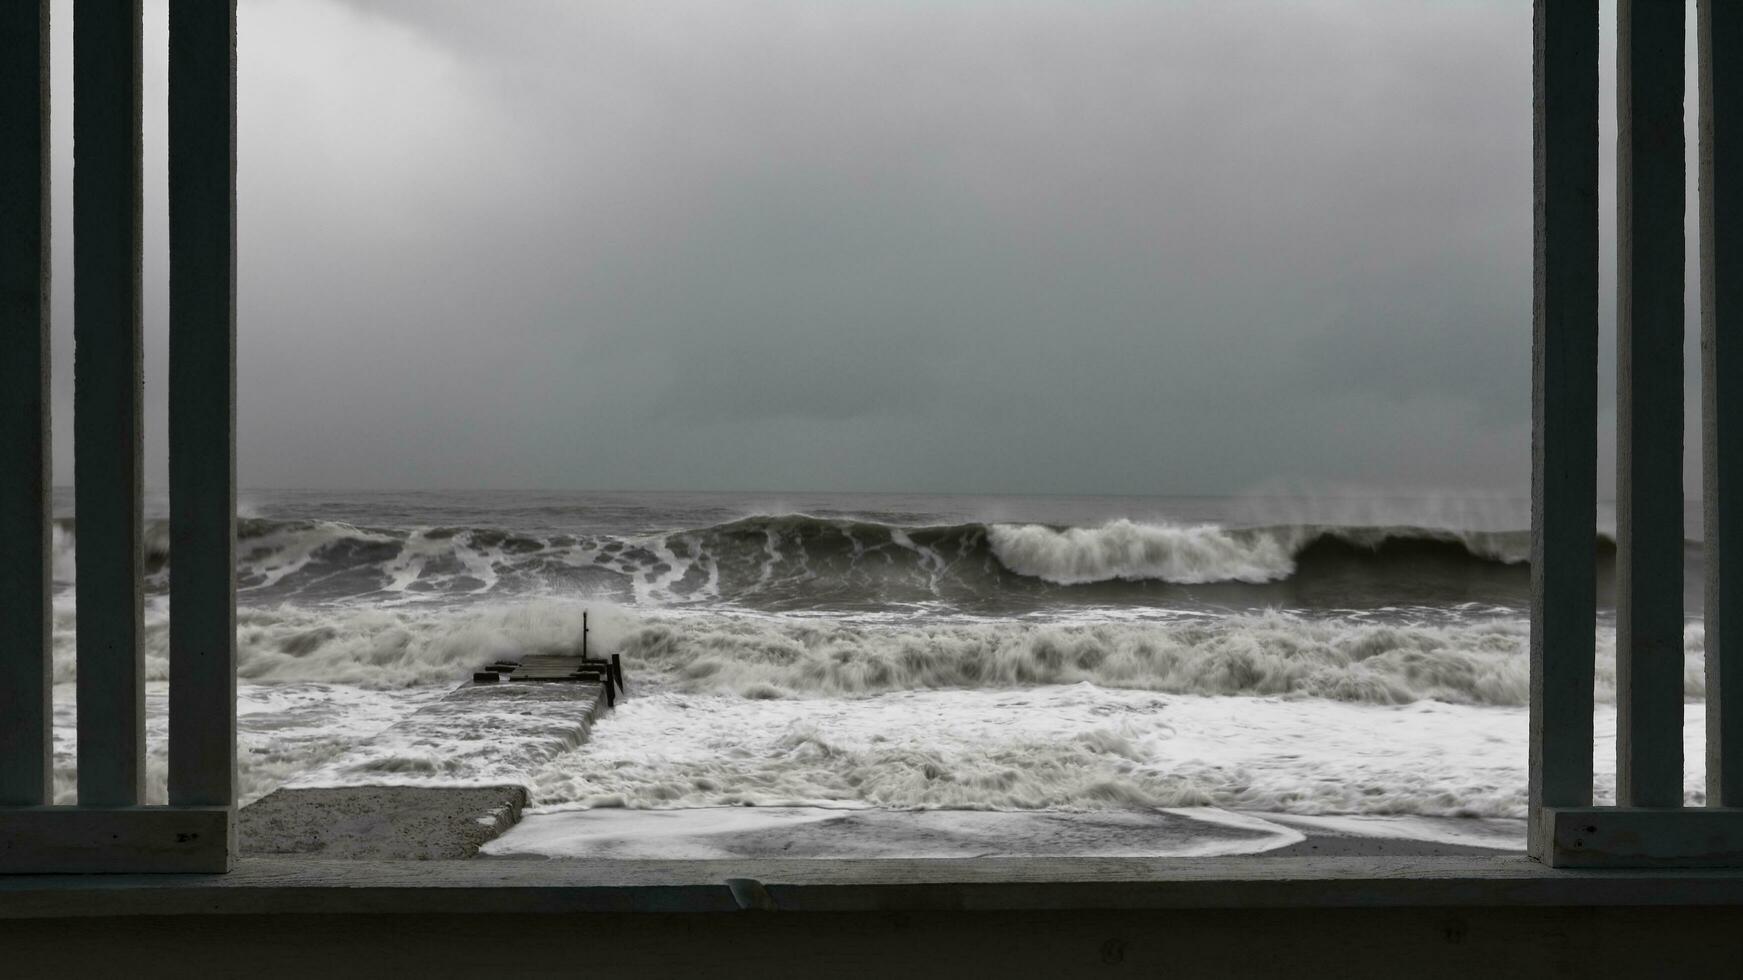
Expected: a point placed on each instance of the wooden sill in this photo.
(290, 885)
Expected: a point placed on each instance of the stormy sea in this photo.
(831, 674)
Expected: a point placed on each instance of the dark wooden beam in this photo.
(1650, 188)
(1564, 402)
(1721, 148)
(107, 381)
(26, 582)
(202, 401)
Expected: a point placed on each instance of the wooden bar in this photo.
(294, 887)
(107, 381)
(1420, 920)
(26, 557)
(1649, 417)
(1564, 402)
(202, 401)
(1721, 149)
(1644, 837)
(144, 840)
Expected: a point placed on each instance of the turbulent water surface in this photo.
(1357, 659)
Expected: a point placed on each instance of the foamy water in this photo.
(1153, 671)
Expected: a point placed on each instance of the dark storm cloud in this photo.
(985, 246)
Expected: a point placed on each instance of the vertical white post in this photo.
(1564, 405)
(1650, 185)
(26, 618)
(107, 382)
(1721, 149)
(109, 831)
(202, 393)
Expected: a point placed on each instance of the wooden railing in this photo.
(1648, 825)
(110, 828)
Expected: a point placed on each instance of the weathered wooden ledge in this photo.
(1211, 917)
(293, 885)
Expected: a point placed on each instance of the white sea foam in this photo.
(1268, 712)
(1070, 748)
(801, 832)
(1273, 711)
(1495, 834)
(1344, 658)
(478, 735)
(851, 831)
(1271, 653)
(1124, 550)
(282, 730)
(896, 678)
(1137, 552)
(372, 647)
(1355, 658)
(799, 560)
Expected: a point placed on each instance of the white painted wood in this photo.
(1644, 837)
(26, 586)
(105, 840)
(1721, 149)
(107, 381)
(202, 402)
(1650, 186)
(1564, 402)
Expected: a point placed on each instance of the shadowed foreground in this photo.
(1288, 917)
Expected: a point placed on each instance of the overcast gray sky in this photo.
(959, 245)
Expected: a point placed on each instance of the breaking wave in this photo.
(1129, 551)
(1271, 654)
(791, 562)
(758, 657)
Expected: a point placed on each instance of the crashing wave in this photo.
(795, 561)
(1271, 654)
(1189, 555)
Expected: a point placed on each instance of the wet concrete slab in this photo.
(438, 785)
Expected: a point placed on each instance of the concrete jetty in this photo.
(439, 784)
(383, 822)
